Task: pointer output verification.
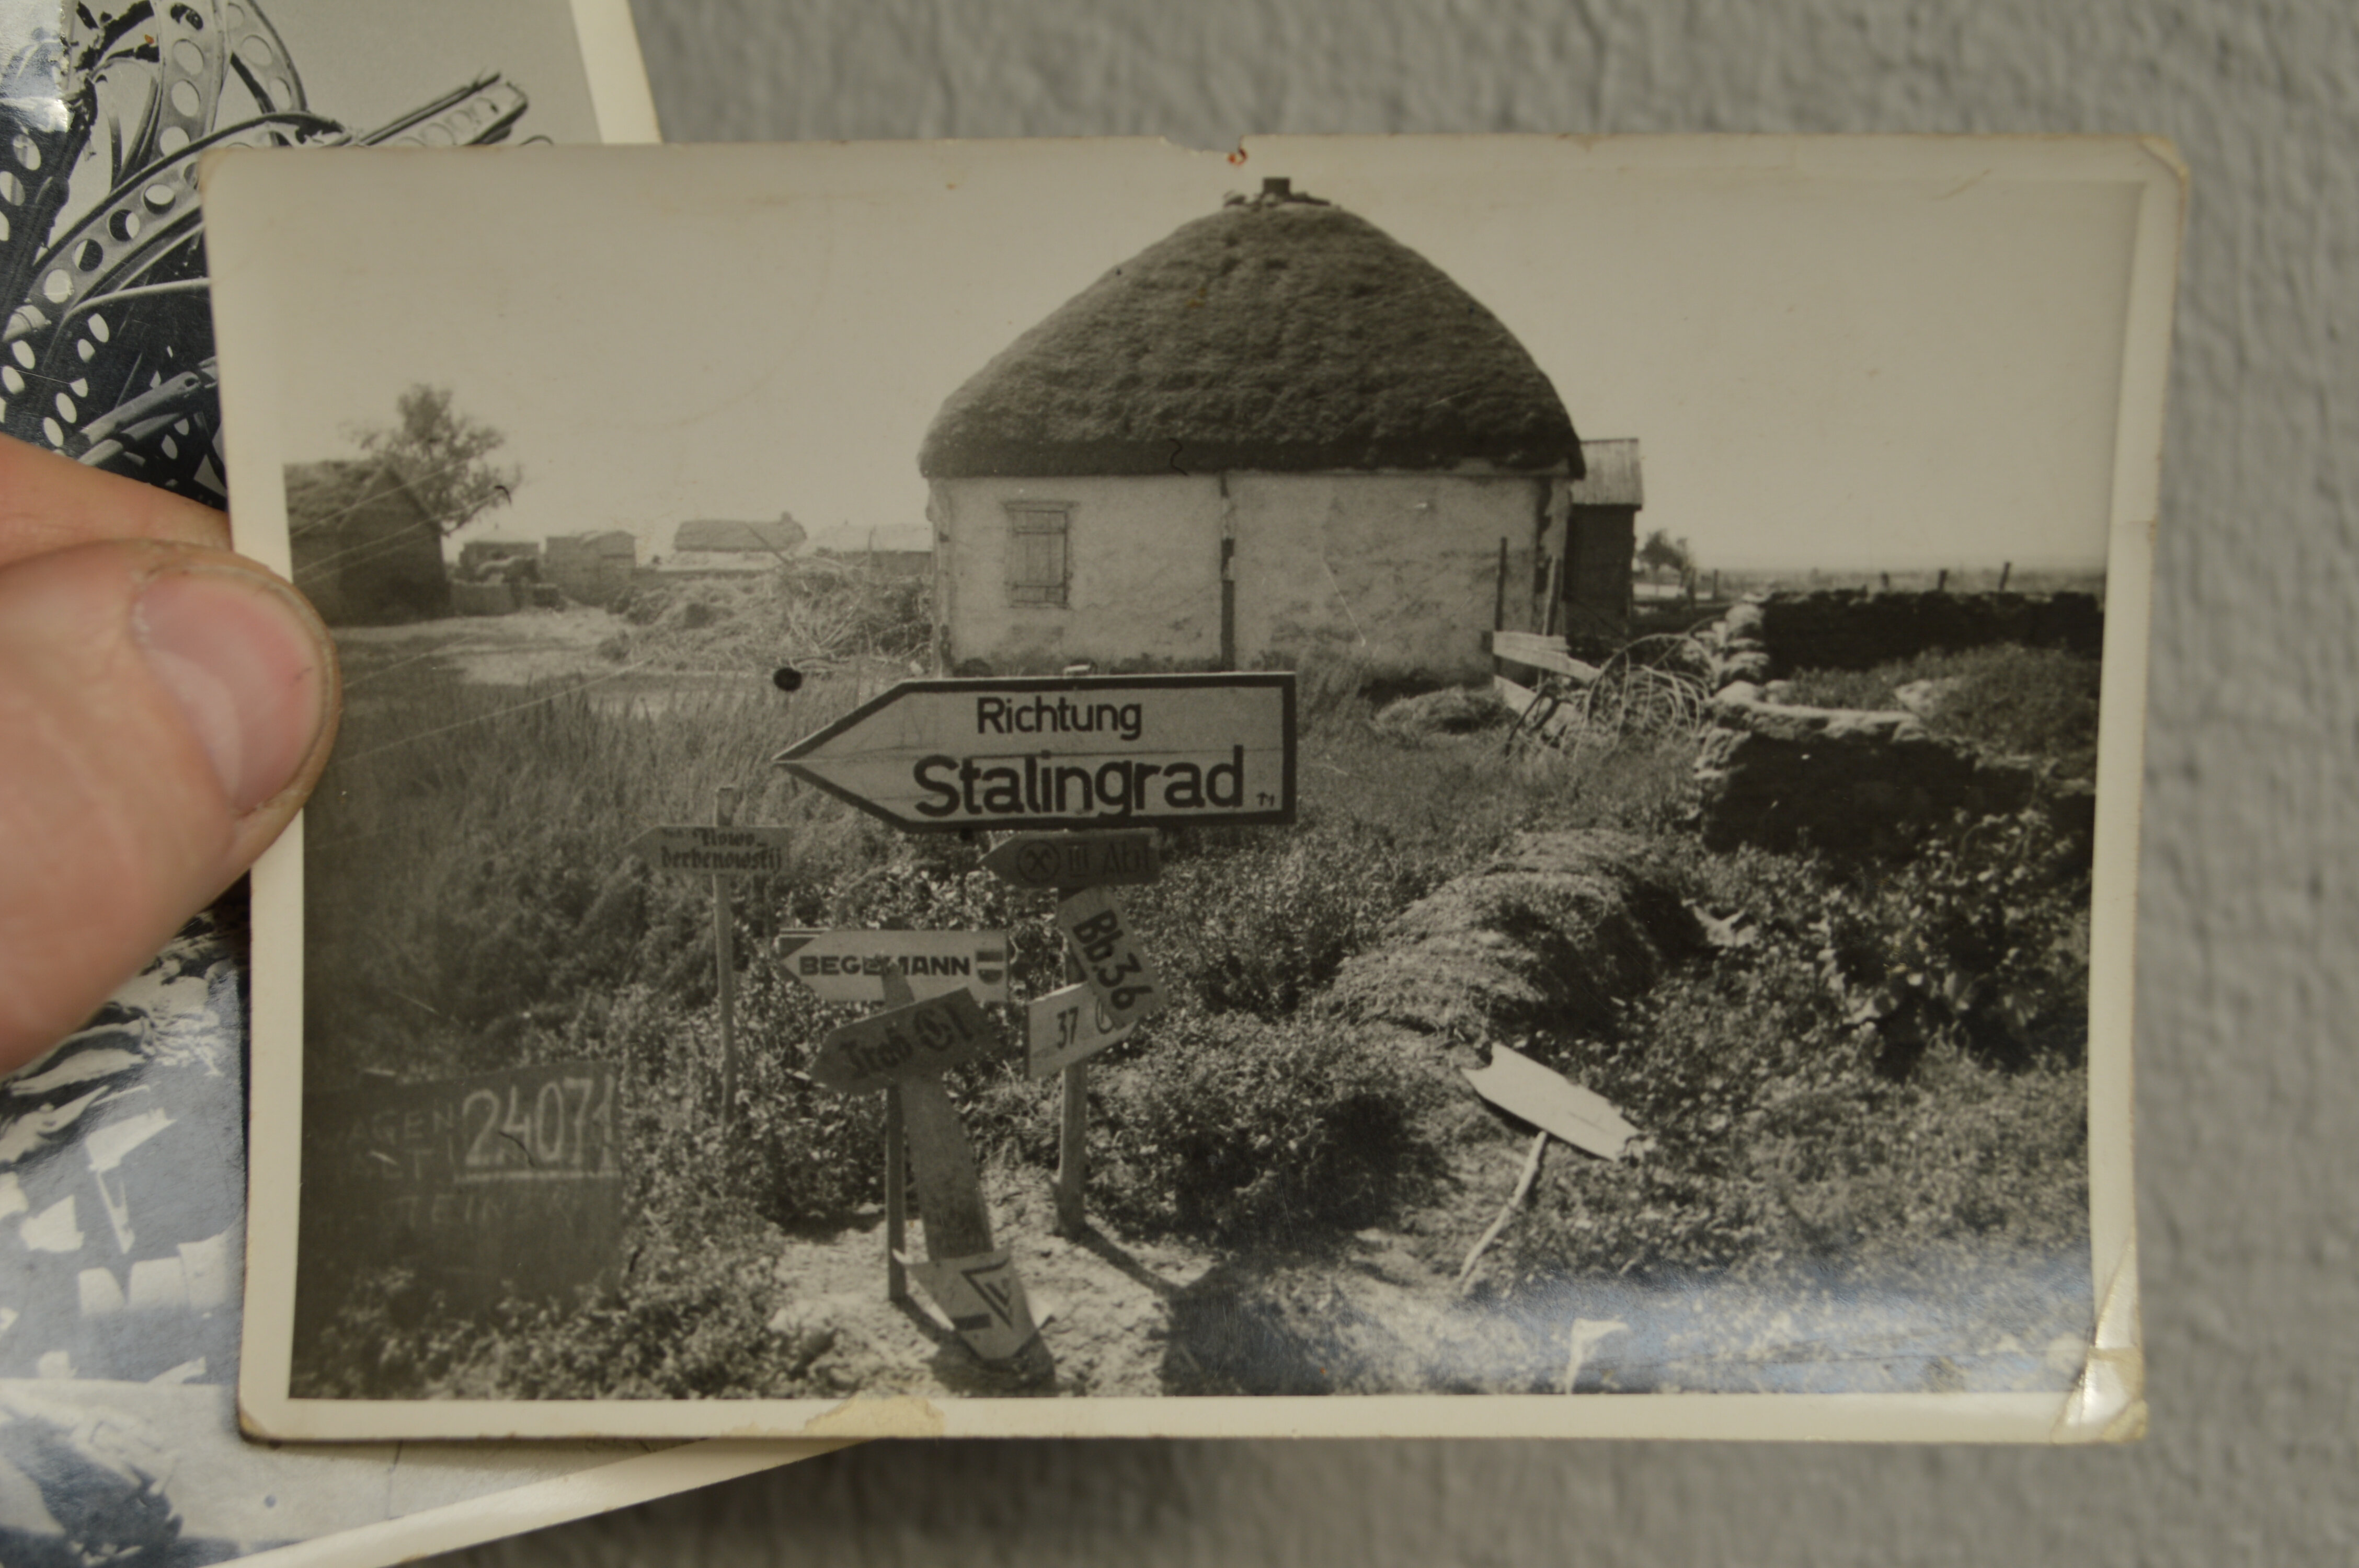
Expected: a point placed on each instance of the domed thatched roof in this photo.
(1278, 334)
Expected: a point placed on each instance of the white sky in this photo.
(1861, 364)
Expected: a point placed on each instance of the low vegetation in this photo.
(2016, 701)
(1865, 1069)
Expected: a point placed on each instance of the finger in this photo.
(49, 502)
(163, 711)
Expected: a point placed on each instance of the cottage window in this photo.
(1036, 559)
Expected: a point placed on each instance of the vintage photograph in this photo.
(1440, 786)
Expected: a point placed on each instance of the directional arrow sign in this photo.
(1065, 1027)
(925, 1038)
(1112, 961)
(850, 965)
(1077, 859)
(1059, 752)
(709, 849)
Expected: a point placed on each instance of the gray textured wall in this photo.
(2249, 1140)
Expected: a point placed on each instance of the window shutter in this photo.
(1036, 553)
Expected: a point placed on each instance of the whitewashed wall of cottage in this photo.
(2248, 1098)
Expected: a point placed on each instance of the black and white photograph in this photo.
(1473, 785)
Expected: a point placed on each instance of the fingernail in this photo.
(239, 658)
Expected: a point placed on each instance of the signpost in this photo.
(850, 966)
(1549, 1099)
(1115, 974)
(720, 851)
(921, 1039)
(1081, 770)
(1065, 1029)
(904, 1051)
(1041, 861)
(1077, 752)
(1112, 963)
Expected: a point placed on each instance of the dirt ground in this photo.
(1123, 1317)
(1381, 1312)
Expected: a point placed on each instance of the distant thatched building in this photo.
(1274, 434)
(725, 547)
(365, 553)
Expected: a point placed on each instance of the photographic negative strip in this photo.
(1627, 656)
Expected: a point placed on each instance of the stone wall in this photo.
(1854, 785)
(1858, 783)
(1853, 629)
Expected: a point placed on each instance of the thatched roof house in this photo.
(1276, 433)
(1276, 336)
(365, 552)
(728, 536)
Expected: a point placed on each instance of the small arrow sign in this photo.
(705, 850)
(923, 1040)
(1112, 961)
(1062, 751)
(1065, 1027)
(850, 966)
(1077, 859)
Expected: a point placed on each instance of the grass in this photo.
(2015, 701)
(1891, 1064)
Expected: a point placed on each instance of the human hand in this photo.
(165, 707)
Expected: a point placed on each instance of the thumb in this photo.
(164, 709)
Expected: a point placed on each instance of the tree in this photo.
(441, 455)
(1661, 551)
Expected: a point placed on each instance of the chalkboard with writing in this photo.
(503, 1185)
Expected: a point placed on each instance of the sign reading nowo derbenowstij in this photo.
(1086, 751)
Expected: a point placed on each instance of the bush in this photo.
(686, 1321)
(1886, 1066)
(1262, 930)
(1981, 942)
(1239, 1131)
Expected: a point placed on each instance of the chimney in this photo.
(1277, 190)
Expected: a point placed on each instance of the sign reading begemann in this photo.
(1053, 751)
(850, 965)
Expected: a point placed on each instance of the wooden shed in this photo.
(1277, 435)
(365, 552)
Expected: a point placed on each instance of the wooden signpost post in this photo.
(720, 851)
(1097, 762)
(904, 1051)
